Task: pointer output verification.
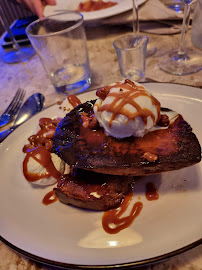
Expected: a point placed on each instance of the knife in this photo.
(32, 105)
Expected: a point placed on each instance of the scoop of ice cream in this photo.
(34, 167)
(128, 109)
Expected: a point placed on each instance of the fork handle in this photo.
(5, 134)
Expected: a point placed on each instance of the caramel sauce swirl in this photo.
(151, 192)
(113, 217)
(43, 157)
(74, 101)
(49, 198)
(39, 148)
(127, 97)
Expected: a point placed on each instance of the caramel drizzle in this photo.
(43, 157)
(123, 98)
(151, 192)
(49, 198)
(74, 101)
(113, 216)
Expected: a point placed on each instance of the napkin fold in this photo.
(154, 17)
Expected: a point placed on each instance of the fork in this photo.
(13, 108)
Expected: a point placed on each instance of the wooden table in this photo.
(32, 77)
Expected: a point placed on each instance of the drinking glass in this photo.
(60, 42)
(131, 52)
(182, 61)
(17, 54)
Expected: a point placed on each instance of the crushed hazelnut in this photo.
(131, 83)
(89, 121)
(103, 92)
(150, 157)
(164, 121)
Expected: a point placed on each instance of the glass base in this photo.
(134, 75)
(177, 64)
(18, 56)
(74, 88)
(175, 5)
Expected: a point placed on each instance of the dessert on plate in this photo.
(96, 150)
(122, 134)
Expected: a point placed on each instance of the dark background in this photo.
(13, 11)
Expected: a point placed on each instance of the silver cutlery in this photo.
(31, 106)
(13, 108)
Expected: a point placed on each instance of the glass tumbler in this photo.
(131, 52)
(60, 42)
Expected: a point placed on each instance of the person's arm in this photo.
(37, 6)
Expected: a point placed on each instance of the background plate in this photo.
(64, 235)
(122, 6)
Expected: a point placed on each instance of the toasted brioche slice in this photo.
(172, 148)
(92, 190)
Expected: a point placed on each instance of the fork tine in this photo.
(18, 103)
(15, 98)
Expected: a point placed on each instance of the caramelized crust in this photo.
(92, 190)
(175, 147)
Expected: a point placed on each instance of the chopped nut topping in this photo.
(164, 121)
(150, 157)
(49, 145)
(89, 121)
(59, 102)
(103, 92)
(93, 123)
(85, 120)
(130, 83)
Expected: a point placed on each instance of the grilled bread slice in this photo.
(164, 149)
(90, 190)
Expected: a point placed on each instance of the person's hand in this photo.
(37, 6)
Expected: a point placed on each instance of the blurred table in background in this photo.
(31, 76)
(13, 11)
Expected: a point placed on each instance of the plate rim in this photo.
(143, 262)
(120, 266)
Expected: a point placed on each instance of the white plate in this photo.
(63, 235)
(122, 6)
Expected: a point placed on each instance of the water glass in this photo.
(131, 52)
(60, 42)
